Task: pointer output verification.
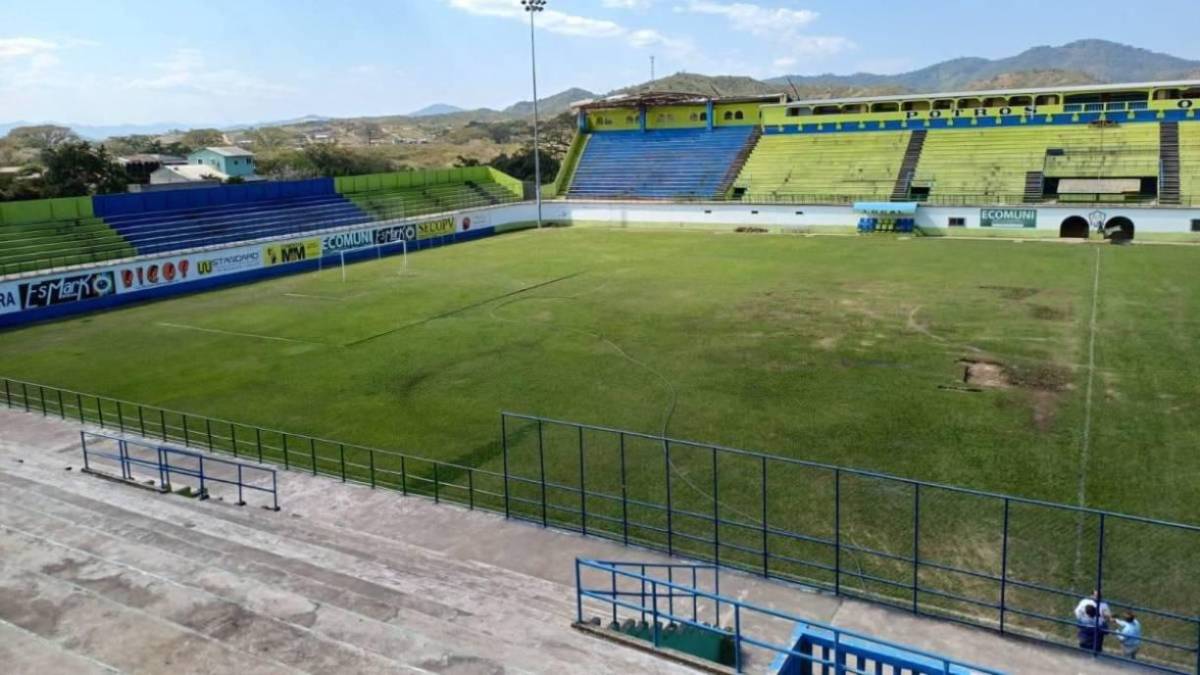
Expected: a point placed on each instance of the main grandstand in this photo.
(967, 432)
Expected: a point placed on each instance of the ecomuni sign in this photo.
(1018, 218)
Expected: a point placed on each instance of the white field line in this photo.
(234, 333)
(1086, 435)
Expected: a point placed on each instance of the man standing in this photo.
(1130, 635)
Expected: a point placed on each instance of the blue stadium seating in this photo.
(659, 164)
(159, 231)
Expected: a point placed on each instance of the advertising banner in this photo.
(229, 261)
(10, 301)
(347, 241)
(436, 228)
(395, 233)
(295, 251)
(60, 290)
(136, 276)
(1016, 218)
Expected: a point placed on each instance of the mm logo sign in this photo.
(435, 228)
(1017, 218)
(279, 254)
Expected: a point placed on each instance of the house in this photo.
(141, 165)
(232, 161)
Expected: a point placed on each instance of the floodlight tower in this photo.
(533, 7)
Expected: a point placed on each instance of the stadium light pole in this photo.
(533, 7)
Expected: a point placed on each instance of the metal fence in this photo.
(639, 589)
(1006, 563)
(164, 466)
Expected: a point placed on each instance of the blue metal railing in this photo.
(839, 646)
(157, 458)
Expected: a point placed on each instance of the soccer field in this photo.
(844, 350)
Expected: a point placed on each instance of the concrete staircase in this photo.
(1168, 152)
(735, 167)
(908, 166)
(98, 577)
(1034, 187)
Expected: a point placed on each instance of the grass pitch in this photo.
(844, 350)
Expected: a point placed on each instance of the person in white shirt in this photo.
(1093, 619)
(1081, 613)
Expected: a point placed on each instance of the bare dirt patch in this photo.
(1047, 313)
(1044, 384)
(985, 374)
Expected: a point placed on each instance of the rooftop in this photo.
(230, 151)
(657, 98)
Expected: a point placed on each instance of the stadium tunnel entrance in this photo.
(1074, 227)
(1119, 228)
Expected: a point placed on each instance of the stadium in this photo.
(757, 384)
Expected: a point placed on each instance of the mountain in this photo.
(436, 109)
(551, 105)
(1100, 60)
(718, 85)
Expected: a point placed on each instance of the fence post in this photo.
(202, 489)
(624, 497)
(1096, 644)
(837, 531)
(233, 438)
(765, 556)
(83, 443)
(716, 513)
(241, 502)
(371, 455)
(1004, 568)
(99, 410)
(312, 453)
(141, 421)
(79, 406)
(542, 471)
(7, 394)
(287, 463)
(737, 638)
(504, 452)
(667, 468)
(471, 488)
(62, 412)
(25, 396)
(162, 421)
(258, 443)
(208, 432)
(342, 459)
(42, 398)
(916, 543)
(436, 497)
(186, 440)
(403, 477)
(582, 486)
(579, 595)
(120, 418)
(654, 612)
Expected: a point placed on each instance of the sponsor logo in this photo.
(1008, 218)
(8, 301)
(233, 262)
(347, 241)
(63, 290)
(466, 223)
(1097, 219)
(154, 274)
(279, 254)
(389, 235)
(435, 228)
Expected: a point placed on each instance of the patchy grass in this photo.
(845, 350)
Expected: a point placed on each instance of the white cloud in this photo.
(627, 4)
(187, 71)
(575, 25)
(20, 47)
(756, 19)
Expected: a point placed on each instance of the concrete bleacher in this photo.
(1189, 162)
(994, 162)
(97, 576)
(414, 201)
(658, 164)
(30, 246)
(821, 166)
(159, 231)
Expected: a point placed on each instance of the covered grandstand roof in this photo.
(1100, 88)
(661, 98)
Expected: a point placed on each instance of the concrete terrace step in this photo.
(296, 574)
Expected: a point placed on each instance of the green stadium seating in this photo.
(1189, 162)
(993, 162)
(414, 201)
(31, 246)
(799, 166)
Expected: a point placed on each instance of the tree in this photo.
(520, 165)
(137, 143)
(26, 184)
(331, 160)
(41, 137)
(269, 138)
(77, 168)
(467, 161)
(203, 138)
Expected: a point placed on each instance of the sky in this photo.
(221, 62)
